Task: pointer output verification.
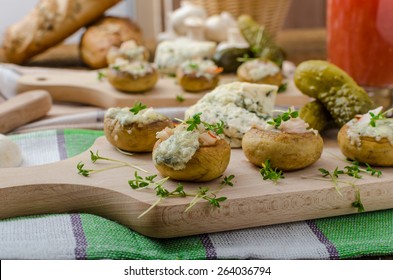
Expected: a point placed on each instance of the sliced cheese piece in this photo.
(239, 105)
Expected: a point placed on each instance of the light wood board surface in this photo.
(84, 87)
(57, 188)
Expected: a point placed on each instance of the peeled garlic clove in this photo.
(10, 154)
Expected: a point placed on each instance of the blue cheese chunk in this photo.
(178, 149)
(383, 129)
(239, 105)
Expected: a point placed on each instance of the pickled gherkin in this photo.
(261, 42)
(315, 114)
(334, 88)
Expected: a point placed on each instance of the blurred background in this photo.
(302, 34)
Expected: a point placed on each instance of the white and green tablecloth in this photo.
(86, 236)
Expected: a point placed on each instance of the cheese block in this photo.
(239, 105)
(170, 54)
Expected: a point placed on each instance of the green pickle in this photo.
(261, 42)
(315, 114)
(228, 59)
(334, 88)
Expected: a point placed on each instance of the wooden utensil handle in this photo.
(24, 108)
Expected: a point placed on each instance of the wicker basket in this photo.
(270, 13)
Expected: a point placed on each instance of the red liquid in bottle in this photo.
(360, 40)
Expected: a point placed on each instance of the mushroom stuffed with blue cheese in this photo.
(286, 141)
(134, 129)
(135, 76)
(368, 138)
(191, 153)
(198, 75)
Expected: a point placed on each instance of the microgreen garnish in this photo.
(138, 106)
(352, 170)
(180, 98)
(268, 173)
(379, 116)
(193, 65)
(286, 116)
(100, 75)
(283, 87)
(373, 171)
(195, 120)
(139, 183)
(116, 67)
(95, 157)
(244, 58)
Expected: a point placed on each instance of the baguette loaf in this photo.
(49, 23)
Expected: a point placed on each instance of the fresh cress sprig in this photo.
(95, 157)
(205, 193)
(285, 116)
(376, 117)
(352, 170)
(101, 75)
(180, 98)
(138, 106)
(268, 173)
(195, 120)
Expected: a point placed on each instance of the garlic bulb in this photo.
(186, 10)
(10, 154)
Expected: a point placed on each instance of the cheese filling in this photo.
(239, 105)
(135, 68)
(126, 118)
(178, 149)
(258, 70)
(383, 129)
(200, 68)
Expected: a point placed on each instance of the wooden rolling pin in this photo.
(24, 108)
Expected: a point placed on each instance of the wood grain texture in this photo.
(252, 202)
(24, 108)
(84, 87)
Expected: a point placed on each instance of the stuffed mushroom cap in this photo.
(291, 146)
(136, 76)
(134, 132)
(260, 71)
(198, 75)
(196, 155)
(368, 141)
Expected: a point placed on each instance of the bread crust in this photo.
(103, 34)
(48, 24)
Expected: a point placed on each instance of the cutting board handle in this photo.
(24, 108)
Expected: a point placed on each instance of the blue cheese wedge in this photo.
(170, 54)
(239, 105)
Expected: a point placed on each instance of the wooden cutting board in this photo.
(252, 202)
(84, 87)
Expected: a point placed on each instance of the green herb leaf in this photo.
(283, 87)
(101, 75)
(286, 116)
(194, 121)
(268, 173)
(138, 106)
(228, 180)
(180, 98)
